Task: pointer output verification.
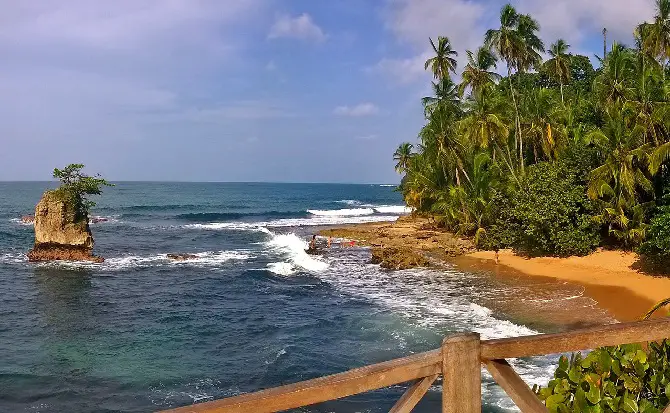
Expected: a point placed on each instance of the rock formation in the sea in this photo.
(97, 220)
(395, 258)
(60, 234)
(182, 257)
(27, 219)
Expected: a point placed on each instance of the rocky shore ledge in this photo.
(410, 242)
(59, 233)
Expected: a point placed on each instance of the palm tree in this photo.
(621, 180)
(533, 45)
(478, 73)
(510, 44)
(541, 125)
(558, 66)
(614, 83)
(402, 156)
(658, 39)
(444, 60)
(444, 95)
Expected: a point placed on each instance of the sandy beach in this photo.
(608, 277)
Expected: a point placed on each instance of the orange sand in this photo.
(608, 276)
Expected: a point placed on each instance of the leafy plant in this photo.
(549, 214)
(656, 247)
(624, 378)
(76, 186)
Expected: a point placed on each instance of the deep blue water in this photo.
(140, 333)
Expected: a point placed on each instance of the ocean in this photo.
(141, 333)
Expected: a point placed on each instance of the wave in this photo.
(292, 222)
(224, 216)
(342, 212)
(388, 185)
(351, 202)
(202, 259)
(20, 222)
(293, 247)
(393, 209)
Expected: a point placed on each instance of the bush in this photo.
(611, 379)
(656, 246)
(549, 214)
(76, 186)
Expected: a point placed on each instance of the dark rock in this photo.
(394, 258)
(28, 219)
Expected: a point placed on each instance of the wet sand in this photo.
(608, 277)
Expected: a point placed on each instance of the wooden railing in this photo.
(459, 361)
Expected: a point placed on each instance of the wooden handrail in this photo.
(360, 380)
(430, 364)
(584, 339)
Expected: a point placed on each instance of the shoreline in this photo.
(607, 277)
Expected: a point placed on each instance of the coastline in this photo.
(608, 277)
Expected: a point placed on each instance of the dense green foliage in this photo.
(76, 186)
(549, 214)
(557, 156)
(657, 244)
(625, 378)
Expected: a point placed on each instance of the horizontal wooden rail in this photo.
(326, 388)
(425, 367)
(584, 339)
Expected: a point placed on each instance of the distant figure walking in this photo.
(330, 241)
(497, 257)
(312, 243)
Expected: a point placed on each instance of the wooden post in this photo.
(461, 374)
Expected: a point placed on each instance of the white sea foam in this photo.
(293, 247)
(19, 222)
(393, 209)
(13, 258)
(202, 259)
(281, 268)
(351, 202)
(388, 185)
(263, 226)
(439, 301)
(342, 212)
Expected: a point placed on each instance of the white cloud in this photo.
(403, 71)
(573, 20)
(362, 109)
(367, 137)
(413, 22)
(300, 27)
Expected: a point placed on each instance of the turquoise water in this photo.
(140, 333)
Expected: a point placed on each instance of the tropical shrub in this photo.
(75, 188)
(624, 378)
(656, 247)
(549, 214)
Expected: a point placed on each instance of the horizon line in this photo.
(216, 182)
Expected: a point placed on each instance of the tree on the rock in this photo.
(76, 187)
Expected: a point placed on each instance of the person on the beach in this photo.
(312, 243)
(497, 257)
(330, 241)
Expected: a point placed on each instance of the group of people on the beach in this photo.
(343, 243)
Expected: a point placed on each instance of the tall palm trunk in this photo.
(562, 99)
(518, 140)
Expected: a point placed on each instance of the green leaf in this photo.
(630, 405)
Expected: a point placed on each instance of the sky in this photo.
(249, 90)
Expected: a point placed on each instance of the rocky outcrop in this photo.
(398, 258)
(59, 233)
(182, 257)
(27, 219)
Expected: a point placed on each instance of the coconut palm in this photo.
(533, 46)
(402, 156)
(621, 181)
(445, 95)
(444, 60)
(478, 74)
(510, 45)
(615, 84)
(541, 125)
(658, 39)
(558, 67)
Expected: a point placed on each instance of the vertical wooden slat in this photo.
(413, 395)
(462, 374)
(515, 387)
(667, 409)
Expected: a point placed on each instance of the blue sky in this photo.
(253, 90)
